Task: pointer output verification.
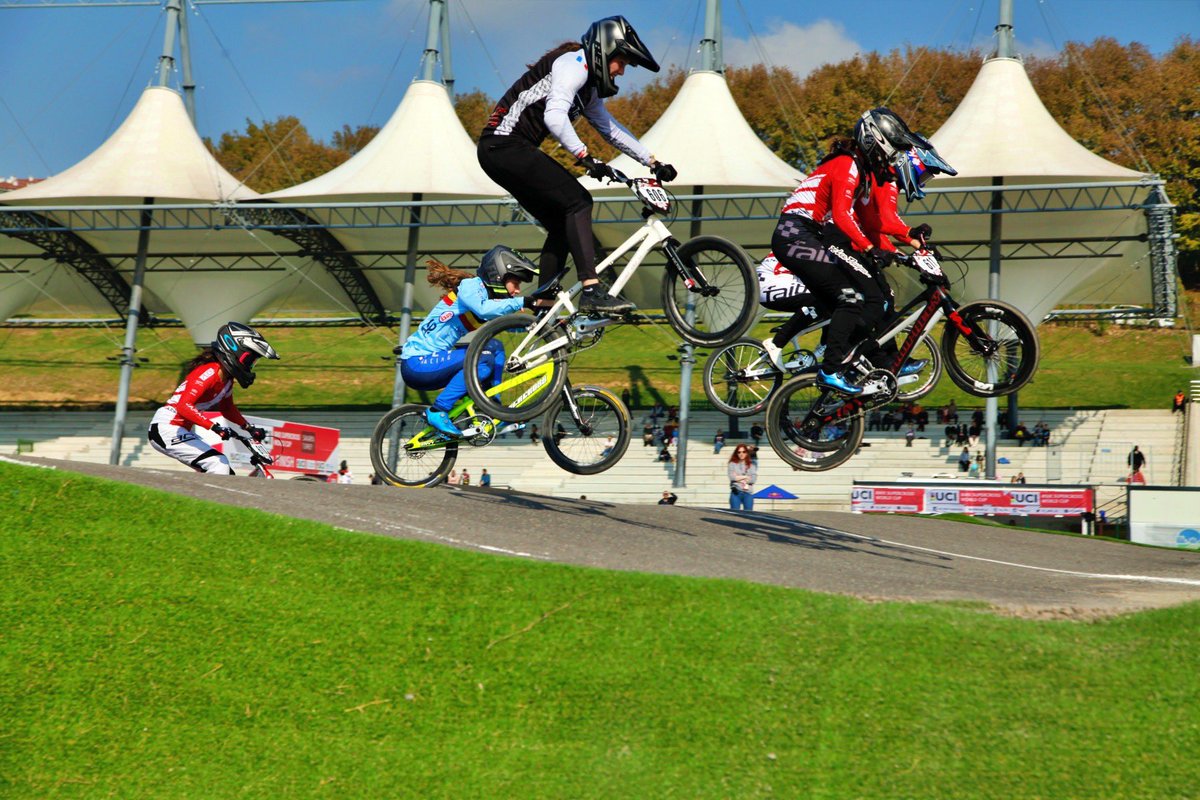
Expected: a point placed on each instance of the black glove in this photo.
(256, 433)
(880, 258)
(595, 168)
(922, 232)
(220, 430)
(664, 172)
(529, 301)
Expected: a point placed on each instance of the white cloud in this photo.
(801, 48)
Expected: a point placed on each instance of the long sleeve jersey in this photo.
(879, 216)
(548, 98)
(454, 316)
(204, 389)
(829, 193)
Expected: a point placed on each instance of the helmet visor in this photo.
(915, 166)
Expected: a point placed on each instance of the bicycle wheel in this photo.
(739, 378)
(928, 377)
(593, 442)
(786, 411)
(405, 451)
(532, 375)
(998, 356)
(729, 311)
(820, 461)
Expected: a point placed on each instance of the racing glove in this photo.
(664, 172)
(595, 168)
(220, 430)
(256, 433)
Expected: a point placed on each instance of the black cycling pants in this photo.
(839, 279)
(552, 195)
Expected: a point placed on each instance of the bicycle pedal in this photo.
(802, 360)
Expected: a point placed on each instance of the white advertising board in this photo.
(1167, 516)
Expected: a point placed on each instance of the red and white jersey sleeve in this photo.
(827, 194)
(880, 217)
(203, 390)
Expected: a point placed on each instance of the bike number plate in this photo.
(652, 194)
(927, 263)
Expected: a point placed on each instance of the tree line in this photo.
(1120, 101)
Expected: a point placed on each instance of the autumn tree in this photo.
(275, 155)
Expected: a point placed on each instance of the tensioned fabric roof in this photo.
(1002, 130)
(156, 153)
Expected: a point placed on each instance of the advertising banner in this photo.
(1022, 500)
(295, 446)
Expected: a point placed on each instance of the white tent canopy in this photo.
(156, 153)
(1002, 130)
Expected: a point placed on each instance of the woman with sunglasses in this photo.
(743, 472)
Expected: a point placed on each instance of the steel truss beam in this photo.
(65, 247)
(320, 245)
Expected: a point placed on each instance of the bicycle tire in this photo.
(724, 317)
(581, 450)
(410, 468)
(739, 378)
(927, 378)
(790, 404)
(519, 401)
(1010, 367)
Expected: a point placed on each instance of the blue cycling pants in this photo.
(445, 371)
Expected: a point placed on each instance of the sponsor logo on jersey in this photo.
(446, 316)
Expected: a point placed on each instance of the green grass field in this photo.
(1084, 365)
(191, 650)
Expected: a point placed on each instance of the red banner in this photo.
(295, 446)
(956, 499)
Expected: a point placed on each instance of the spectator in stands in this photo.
(647, 435)
(1136, 460)
(964, 460)
(344, 475)
(921, 415)
(534, 436)
(609, 444)
(1018, 478)
(465, 478)
(453, 478)
(664, 454)
(743, 473)
(1180, 403)
(874, 419)
(756, 433)
(951, 432)
(909, 435)
(484, 478)
(950, 412)
(1020, 433)
(718, 440)
(668, 498)
(973, 471)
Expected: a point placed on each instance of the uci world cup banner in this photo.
(1018, 500)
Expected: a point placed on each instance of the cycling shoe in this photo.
(912, 367)
(441, 420)
(837, 381)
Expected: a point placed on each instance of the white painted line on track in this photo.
(21, 463)
(235, 491)
(1071, 572)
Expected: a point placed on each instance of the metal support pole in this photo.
(129, 351)
(410, 279)
(433, 36)
(185, 64)
(447, 64)
(167, 59)
(992, 406)
(687, 357)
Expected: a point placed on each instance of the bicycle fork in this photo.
(693, 278)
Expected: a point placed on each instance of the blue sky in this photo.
(70, 76)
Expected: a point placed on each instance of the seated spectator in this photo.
(964, 460)
(921, 417)
(873, 420)
(1021, 434)
(718, 440)
(668, 498)
(951, 412)
(664, 455)
(647, 435)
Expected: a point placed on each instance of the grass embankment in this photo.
(192, 650)
(1083, 365)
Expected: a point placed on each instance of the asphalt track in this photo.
(876, 557)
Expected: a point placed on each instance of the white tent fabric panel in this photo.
(1001, 129)
(704, 135)
(422, 148)
(155, 153)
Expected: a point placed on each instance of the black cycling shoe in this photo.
(599, 301)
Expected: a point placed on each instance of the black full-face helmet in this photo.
(893, 151)
(238, 348)
(500, 262)
(609, 37)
